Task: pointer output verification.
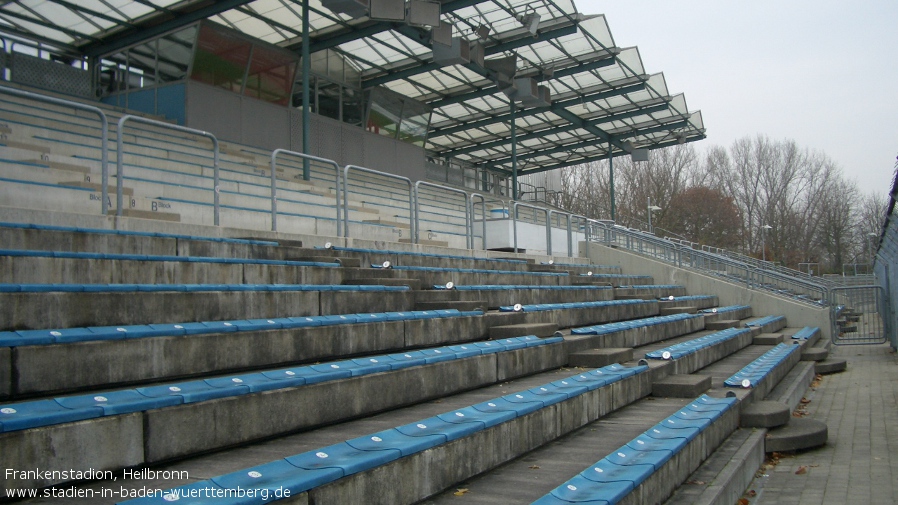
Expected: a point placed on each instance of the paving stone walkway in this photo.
(859, 463)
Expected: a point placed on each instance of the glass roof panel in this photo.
(471, 108)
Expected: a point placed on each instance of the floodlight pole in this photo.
(514, 153)
(306, 70)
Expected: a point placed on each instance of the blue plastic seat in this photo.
(526, 401)
(117, 402)
(627, 456)
(498, 405)
(257, 382)
(678, 422)
(434, 426)
(661, 431)
(407, 359)
(395, 439)
(662, 448)
(36, 337)
(579, 489)
(570, 387)
(204, 492)
(436, 355)
(465, 350)
(549, 394)
(344, 457)
(512, 343)
(26, 337)
(483, 416)
(276, 476)
(591, 381)
(22, 416)
(193, 391)
(489, 346)
(308, 374)
(258, 324)
(606, 471)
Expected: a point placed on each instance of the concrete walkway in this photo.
(859, 463)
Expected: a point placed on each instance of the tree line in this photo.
(760, 197)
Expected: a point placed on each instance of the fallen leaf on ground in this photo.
(742, 501)
(461, 491)
(805, 401)
(534, 467)
(696, 482)
(752, 493)
(801, 470)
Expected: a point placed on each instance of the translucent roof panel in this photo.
(596, 90)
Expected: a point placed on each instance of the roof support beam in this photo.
(555, 107)
(416, 68)
(589, 143)
(480, 146)
(492, 89)
(374, 27)
(598, 157)
(147, 30)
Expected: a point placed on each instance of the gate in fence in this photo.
(859, 315)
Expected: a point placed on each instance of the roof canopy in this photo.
(601, 98)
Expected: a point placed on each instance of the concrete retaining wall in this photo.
(798, 314)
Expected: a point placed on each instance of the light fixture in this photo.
(530, 22)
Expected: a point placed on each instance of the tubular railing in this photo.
(748, 273)
(274, 201)
(104, 135)
(570, 232)
(411, 204)
(120, 156)
(483, 201)
(468, 220)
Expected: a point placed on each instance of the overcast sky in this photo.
(823, 73)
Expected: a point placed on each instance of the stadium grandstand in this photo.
(274, 251)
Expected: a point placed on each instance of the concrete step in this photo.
(460, 305)
(519, 330)
(667, 311)
(722, 324)
(831, 365)
(799, 434)
(814, 354)
(413, 284)
(597, 358)
(765, 414)
(769, 339)
(681, 386)
(342, 260)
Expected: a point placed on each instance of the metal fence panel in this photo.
(858, 315)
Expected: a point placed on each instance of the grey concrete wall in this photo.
(798, 314)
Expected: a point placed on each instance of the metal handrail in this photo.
(483, 201)
(274, 204)
(570, 233)
(104, 135)
(514, 221)
(411, 205)
(753, 275)
(468, 220)
(120, 156)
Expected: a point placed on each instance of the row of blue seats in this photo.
(677, 351)
(32, 414)
(613, 477)
(728, 308)
(66, 335)
(602, 329)
(805, 333)
(752, 374)
(653, 286)
(506, 287)
(160, 257)
(317, 467)
(470, 270)
(577, 265)
(421, 254)
(765, 320)
(80, 229)
(189, 288)
(537, 307)
(688, 298)
(615, 276)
